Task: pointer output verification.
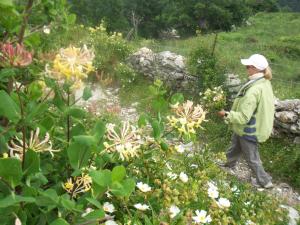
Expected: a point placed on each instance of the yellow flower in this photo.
(72, 65)
(81, 184)
(188, 117)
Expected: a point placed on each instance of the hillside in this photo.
(276, 35)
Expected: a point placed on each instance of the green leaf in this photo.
(94, 202)
(14, 199)
(67, 203)
(124, 188)
(8, 107)
(99, 129)
(118, 173)
(11, 171)
(96, 214)
(87, 93)
(164, 146)
(142, 120)
(177, 98)
(102, 177)
(59, 221)
(32, 162)
(6, 73)
(75, 112)
(71, 19)
(36, 111)
(156, 129)
(80, 150)
(159, 104)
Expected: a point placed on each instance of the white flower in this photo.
(249, 222)
(108, 207)
(180, 148)
(18, 221)
(223, 203)
(142, 207)
(87, 211)
(202, 217)
(212, 192)
(171, 175)
(110, 222)
(194, 166)
(183, 177)
(46, 29)
(143, 187)
(174, 210)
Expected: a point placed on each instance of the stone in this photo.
(166, 66)
(286, 116)
(293, 214)
(297, 141)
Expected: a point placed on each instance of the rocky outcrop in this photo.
(287, 116)
(166, 66)
(233, 84)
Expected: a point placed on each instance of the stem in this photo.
(214, 45)
(26, 13)
(23, 127)
(68, 120)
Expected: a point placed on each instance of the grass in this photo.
(275, 35)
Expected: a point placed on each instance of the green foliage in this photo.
(204, 65)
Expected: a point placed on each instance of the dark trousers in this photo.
(248, 149)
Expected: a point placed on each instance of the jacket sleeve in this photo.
(245, 110)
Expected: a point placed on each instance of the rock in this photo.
(286, 116)
(233, 83)
(287, 105)
(166, 66)
(293, 214)
(297, 140)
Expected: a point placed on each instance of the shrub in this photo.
(203, 64)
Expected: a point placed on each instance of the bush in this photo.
(203, 64)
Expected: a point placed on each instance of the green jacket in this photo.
(252, 113)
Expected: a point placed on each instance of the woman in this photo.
(251, 117)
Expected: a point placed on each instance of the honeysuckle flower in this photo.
(223, 203)
(142, 207)
(108, 207)
(126, 142)
(15, 56)
(78, 185)
(143, 187)
(202, 217)
(171, 175)
(174, 210)
(110, 222)
(72, 65)
(188, 117)
(194, 166)
(183, 177)
(16, 148)
(87, 211)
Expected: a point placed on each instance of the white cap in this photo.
(256, 60)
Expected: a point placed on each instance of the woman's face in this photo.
(251, 70)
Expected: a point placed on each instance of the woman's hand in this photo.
(221, 113)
